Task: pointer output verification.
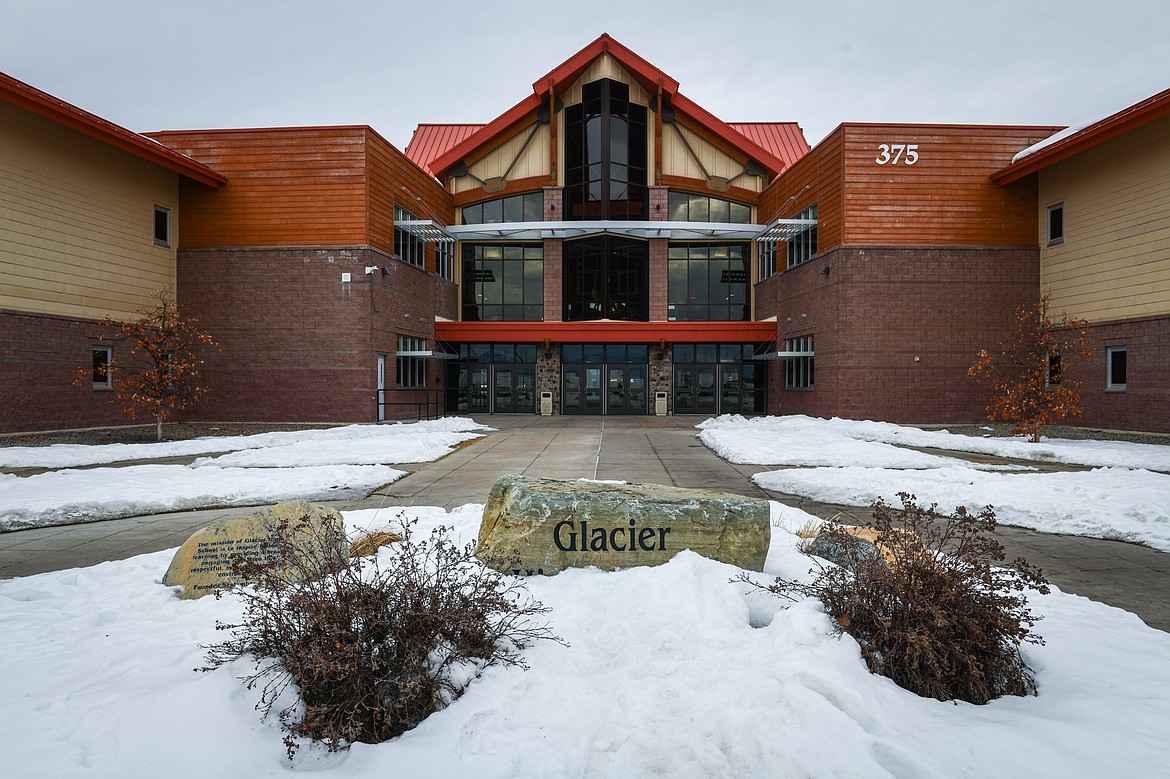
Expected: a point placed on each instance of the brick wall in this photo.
(1145, 402)
(39, 359)
(296, 342)
(896, 329)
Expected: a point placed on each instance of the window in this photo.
(803, 247)
(409, 248)
(605, 154)
(707, 282)
(443, 259)
(102, 357)
(606, 278)
(1056, 224)
(503, 283)
(687, 207)
(411, 364)
(1053, 377)
(528, 207)
(162, 226)
(767, 259)
(798, 362)
(1115, 357)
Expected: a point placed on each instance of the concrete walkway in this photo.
(661, 450)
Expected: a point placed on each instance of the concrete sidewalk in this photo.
(662, 450)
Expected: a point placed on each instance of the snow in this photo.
(857, 462)
(330, 464)
(670, 671)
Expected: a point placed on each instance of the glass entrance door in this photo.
(626, 390)
(514, 389)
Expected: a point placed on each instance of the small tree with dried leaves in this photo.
(1027, 373)
(162, 375)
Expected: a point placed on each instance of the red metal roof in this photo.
(32, 99)
(431, 141)
(784, 139)
(562, 76)
(606, 332)
(1098, 132)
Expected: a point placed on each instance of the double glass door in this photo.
(716, 389)
(604, 389)
(501, 389)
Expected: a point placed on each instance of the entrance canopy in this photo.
(606, 331)
(431, 232)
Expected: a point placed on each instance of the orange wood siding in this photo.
(394, 178)
(946, 197)
(286, 187)
(817, 177)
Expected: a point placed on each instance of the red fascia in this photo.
(42, 103)
(605, 332)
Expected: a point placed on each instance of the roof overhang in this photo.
(32, 99)
(606, 331)
(535, 231)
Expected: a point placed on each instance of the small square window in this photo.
(102, 356)
(162, 226)
(1056, 224)
(1115, 357)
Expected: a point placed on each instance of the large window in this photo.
(689, 207)
(606, 278)
(803, 247)
(409, 248)
(503, 283)
(528, 207)
(798, 365)
(708, 282)
(605, 154)
(411, 362)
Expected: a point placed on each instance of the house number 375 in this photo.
(892, 153)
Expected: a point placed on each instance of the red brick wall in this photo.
(1145, 402)
(39, 359)
(896, 328)
(297, 343)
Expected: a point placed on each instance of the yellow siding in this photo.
(1115, 259)
(534, 161)
(678, 161)
(77, 222)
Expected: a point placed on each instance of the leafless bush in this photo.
(933, 611)
(374, 645)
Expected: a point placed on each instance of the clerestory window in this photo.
(605, 154)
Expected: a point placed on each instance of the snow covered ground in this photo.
(671, 671)
(330, 464)
(1125, 496)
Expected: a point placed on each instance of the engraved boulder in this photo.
(203, 564)
(543, 526)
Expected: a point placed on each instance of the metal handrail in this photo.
(426, 403)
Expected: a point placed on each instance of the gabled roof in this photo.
(1077, 139)
(433, 140)
(565, 74)
(784, 139)
(32, 99)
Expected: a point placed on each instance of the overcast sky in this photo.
(165, 64)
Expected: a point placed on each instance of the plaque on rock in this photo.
(543, 526)
(203, 563)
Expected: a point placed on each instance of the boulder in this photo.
(543, 526)
(203, 563)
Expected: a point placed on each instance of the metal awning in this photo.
(428, 353)
(426, 230)
(535, 231)
(781, 230)
(784, 230)
(780, 355)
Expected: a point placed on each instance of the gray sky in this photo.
(259, 63)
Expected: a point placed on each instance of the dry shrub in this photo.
(369, 543)
(374, 645)
(933, 612)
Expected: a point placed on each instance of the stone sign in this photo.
(543, 526)
(203, 563)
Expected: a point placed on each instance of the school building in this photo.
(604, 246)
